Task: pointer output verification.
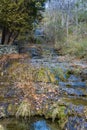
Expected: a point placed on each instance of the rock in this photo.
(34, 52)
(84, 74)
(44, 75)
(76, 123)
(78, 84)
(8, 49)
(72, 91)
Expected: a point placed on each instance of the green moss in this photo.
(76, 101)
(58, 72)
(59, 113)
(12, 109)
(44, 75)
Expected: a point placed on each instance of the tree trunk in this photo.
(13, 37)
(67, 26)
(63, 20)
(8, 37)
(3, 35)
(76, 22)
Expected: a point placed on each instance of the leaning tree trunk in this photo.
(8, 37)
(13, 37)
(3, 35)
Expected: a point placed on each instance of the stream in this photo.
(73, 91)
(34, 124)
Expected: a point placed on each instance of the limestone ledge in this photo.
(8, 49)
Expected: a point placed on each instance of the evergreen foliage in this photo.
(18, 16)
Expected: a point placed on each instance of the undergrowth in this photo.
(75, 47)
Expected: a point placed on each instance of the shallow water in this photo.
(33, 124)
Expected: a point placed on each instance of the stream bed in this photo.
(72, 90)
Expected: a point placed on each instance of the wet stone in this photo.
(8, 49)
(72, 91)
(76, 123)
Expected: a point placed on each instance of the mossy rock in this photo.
(59, 72)
(12, 109)
(75, 71)
(59, 113)
(44, 75)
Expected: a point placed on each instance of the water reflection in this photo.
(40, 125)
